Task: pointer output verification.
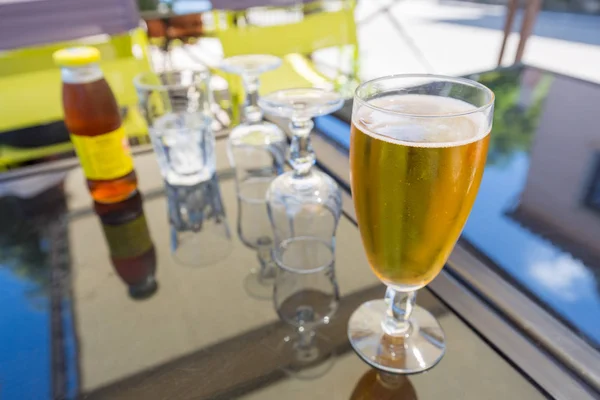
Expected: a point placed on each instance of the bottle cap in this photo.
(76, 56)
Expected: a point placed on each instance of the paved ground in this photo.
(453, 37)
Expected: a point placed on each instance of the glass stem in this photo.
(400, 307)
(391, 381)
(305, 338)
(305, 315)
(302, 155)
(265, 257)
(252, 112)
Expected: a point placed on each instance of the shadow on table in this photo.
(240, 364)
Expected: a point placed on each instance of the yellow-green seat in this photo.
(30, 88)
(294, 43)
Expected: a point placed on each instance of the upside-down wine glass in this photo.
(256, 150)
(249, 67)
(305, 201)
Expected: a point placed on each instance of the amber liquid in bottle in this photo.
(91, 110)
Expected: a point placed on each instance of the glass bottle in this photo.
(92, 117)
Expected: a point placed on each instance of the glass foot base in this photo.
(258, 287)
(307, 363)
(420, 349)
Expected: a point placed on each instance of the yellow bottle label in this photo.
(104, 157)
(128, 240)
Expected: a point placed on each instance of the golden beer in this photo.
(414, 181)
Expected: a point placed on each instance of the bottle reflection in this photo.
(379, 385)
(131, 249)
(199, 230)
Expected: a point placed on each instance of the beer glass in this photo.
(417, 152)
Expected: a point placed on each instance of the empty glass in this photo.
(176, 106)
(256, 150)
(257, 159)
(199, 231)
(305, 201)
(306, 296)
(249, 67)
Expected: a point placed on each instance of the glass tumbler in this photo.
(176, 106)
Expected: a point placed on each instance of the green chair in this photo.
(30, 96)
(318, 28)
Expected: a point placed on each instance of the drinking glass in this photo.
(306, 296)
(199, 231)
(249, 67)
(305, 201)
(256, 150)
(176, 106)
(417, 152)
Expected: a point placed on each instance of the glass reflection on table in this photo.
(254, 231)
(378, 385)
(199, 230)
(306, 296)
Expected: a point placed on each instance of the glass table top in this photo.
(537, 213)
(69, 326)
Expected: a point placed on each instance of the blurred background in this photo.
(538, 230)
(333, 43)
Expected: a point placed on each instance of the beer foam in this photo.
(421, 120)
